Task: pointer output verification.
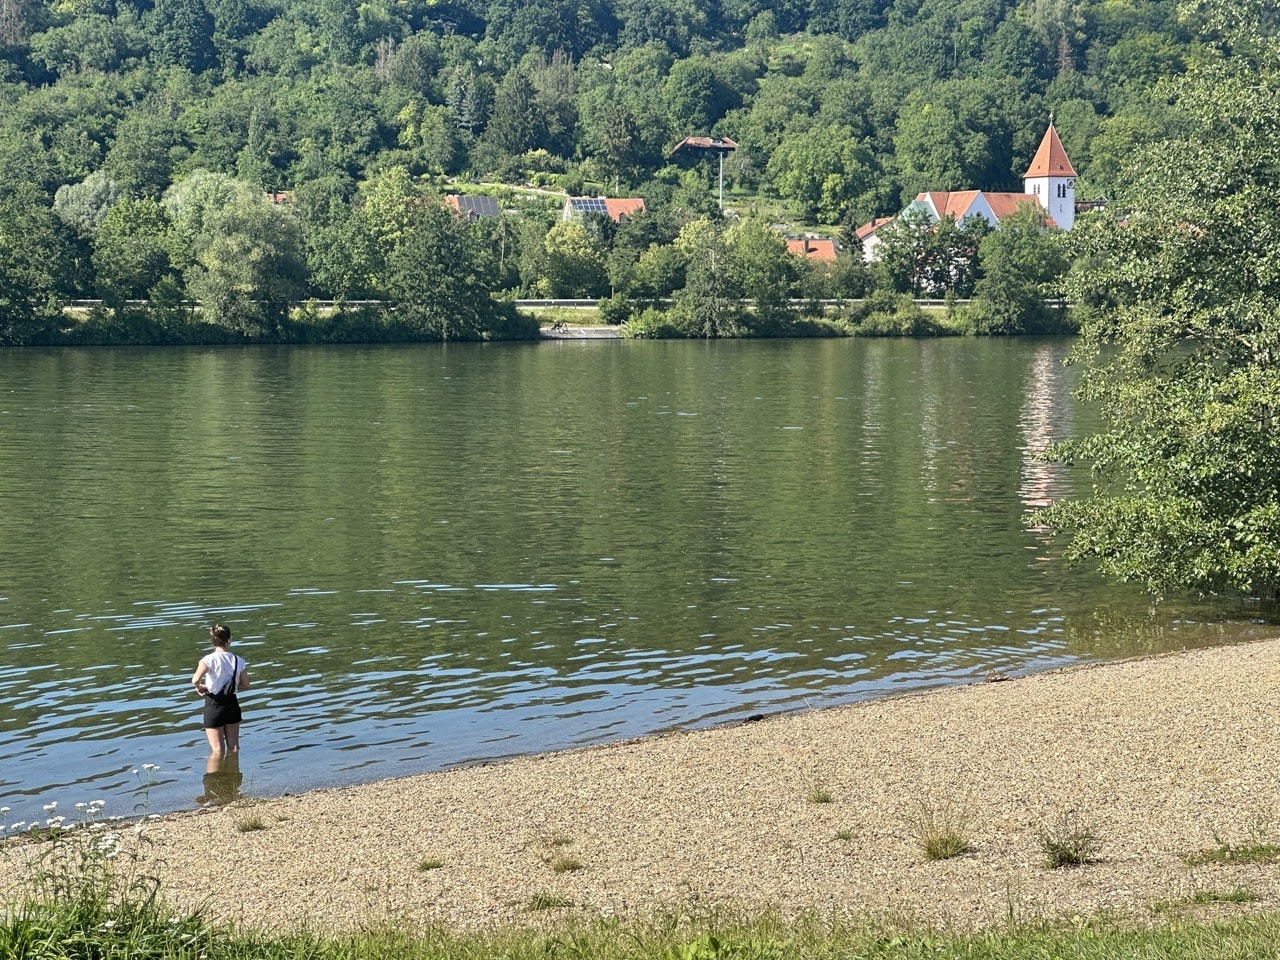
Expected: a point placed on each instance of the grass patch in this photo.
(1236, 853)
(425, 866)
(548, 901)
(819, 793)
(942, 830)
(1256, 848)
(557, 857)
(249, 824)
(845, 835)
(1068, 842)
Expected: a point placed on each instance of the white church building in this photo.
(1050, 181)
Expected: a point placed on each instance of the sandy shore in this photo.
(1162, 757)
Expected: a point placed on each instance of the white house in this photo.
(1050, 181)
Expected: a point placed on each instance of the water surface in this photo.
(435, 555)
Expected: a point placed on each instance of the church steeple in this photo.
(1052, 180)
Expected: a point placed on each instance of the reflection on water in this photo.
(222, 780)
(436, 555)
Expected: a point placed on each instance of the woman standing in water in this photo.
(217, 678)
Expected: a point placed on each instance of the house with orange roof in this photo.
(1050, 181)
(814, 248)
(615, 208)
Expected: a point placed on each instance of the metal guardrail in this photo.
(584, 304)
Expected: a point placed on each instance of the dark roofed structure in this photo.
(473, 208)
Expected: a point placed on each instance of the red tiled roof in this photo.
(619, 208)
(1003, 204)
(1051, 159)
(812, 248)
(867, 229)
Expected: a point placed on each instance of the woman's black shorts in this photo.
(220, 710)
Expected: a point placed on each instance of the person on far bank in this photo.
(219, 675)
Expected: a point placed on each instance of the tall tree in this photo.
(1182, 344)
(440, 285)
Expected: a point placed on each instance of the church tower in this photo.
(1052, 181)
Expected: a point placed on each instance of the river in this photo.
(435, 555)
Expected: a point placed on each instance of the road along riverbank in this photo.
(1162, 759)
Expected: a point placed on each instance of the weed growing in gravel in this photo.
(250, 823)
(844, 834)
(430, 864)
(1254, 849)
(1068, 842)
(941, 829)
(1206, 897)
(556, 857)
(819, 793)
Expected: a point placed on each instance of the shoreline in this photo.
(818, 812)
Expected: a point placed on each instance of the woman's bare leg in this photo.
(215, 736)
(232, 737)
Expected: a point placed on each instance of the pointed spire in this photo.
(1051, 159)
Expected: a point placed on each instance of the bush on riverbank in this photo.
(308, 324)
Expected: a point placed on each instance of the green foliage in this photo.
(843, 110)
(1183, 337)
(1022, 264)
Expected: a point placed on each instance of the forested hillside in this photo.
(139, 142)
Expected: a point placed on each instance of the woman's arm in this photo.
(197, 678)
(243, 682)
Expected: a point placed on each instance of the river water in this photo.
(438, 555)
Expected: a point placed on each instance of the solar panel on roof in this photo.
(590, 205)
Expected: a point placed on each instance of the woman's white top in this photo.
(220, 668)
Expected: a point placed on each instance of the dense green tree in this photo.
(824, 170)
(34, 264)
(243, 255)
(1023, 265)
(182, 34)
(131, 250)
(82, 205)
(438, 281)
(91, 41)
(1182, 344)
(763, 270)
(573, 265)
(140, 158)
(708, 303)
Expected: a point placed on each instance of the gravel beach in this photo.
(1162, 758)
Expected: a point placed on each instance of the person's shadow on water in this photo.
(222, 779)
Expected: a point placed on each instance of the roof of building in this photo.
(867, 229)
(813, 248)
(958, 204)
(717, 144)
(474, 207)
(615, 208)
(1050, 159)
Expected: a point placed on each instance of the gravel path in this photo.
(1162, 758)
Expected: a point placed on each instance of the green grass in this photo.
(250, 823)
(145, 931)
(819, 793)
(1236, 853)
(430, 864)
(941, 830)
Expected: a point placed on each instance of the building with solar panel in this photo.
(473, 208)
(615, 208)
